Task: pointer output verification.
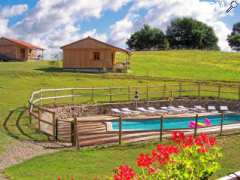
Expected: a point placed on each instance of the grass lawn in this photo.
(99, 163)
(19, 80)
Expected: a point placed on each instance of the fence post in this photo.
(196, 125)
(72, 91)
(110, 94)
(55, 99)
(161, 128)
(73, 140)
(239, 92)
(164, 90)
(219, 91)
(147, 93)
(30, 113)
(199, 90)
(92, 95)
(120, 130)
(41, 95)
(76, 132)
(221, 128)
(180, 90)
(39, 119)
(129, 93)
(55, 128)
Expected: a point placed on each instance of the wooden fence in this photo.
(67, 131)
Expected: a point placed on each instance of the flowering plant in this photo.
(188, 158)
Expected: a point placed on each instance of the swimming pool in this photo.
(173, 123)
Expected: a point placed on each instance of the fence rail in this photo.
(48, 123)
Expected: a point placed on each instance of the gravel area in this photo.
(20, 151)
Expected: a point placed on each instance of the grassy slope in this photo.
(89, 164)
(18, 80)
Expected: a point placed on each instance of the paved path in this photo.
(20, 151)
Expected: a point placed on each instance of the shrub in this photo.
(187, 158)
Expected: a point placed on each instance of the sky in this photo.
(52, 24)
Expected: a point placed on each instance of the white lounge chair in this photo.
(116, 111)
(225, 109)
(142, 109)
(174, 109)
(199, 109)
(212, 109)
(127, 110)
(183, 109)
(157, 110)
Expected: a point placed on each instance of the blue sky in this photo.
(54, 23)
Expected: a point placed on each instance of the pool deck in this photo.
(96, 130)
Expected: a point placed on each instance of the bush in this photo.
(189, 158)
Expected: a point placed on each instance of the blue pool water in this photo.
(176, 123)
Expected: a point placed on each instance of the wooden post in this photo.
(55, 130)
(239, 93)
(76, 132)
(92, 95)
(164, 90)
(120, 130)
(196, 124)
(30, 113)
(161, 128)
(73, 133)
(110, 94)
(199, 90)
(147, 93)
(129, 93)
(55, 99)
(39, 119)
(219, 91)
(41, 95)
(180, 90)
(72, 92)
(221, 128)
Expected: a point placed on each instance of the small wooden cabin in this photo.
(18, 50)
(90, 54)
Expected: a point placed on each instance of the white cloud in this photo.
(6, 13)
(161, 12)
(54, 23)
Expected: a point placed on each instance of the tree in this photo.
(147, 38)
(187, 33)
(234, 38)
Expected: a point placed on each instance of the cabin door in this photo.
(22, 54)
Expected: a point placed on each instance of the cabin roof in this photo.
(107, 44)
(23, 43)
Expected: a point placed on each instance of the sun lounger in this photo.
(174, 109)
(183, 109)
(127, 110)
(142, 109)
(225, 109)
(157, 110)
(212, 109)
(199, 109)
(116, 111)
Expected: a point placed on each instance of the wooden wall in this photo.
(8, 48)
(81, 55)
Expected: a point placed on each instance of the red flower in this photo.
(188, 141)
(151, 170)
(212, 141)
(203, 150)
(178, 137)
(124, 173)
(144, 160)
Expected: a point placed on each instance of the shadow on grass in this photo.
(62, 70)
(16, 119)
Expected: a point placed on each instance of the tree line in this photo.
(182, 33)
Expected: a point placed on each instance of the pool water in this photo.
(173, 123)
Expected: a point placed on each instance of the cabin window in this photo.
(96, 56)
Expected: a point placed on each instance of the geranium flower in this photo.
(124, 173)
(144, 160)
(178, 137)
